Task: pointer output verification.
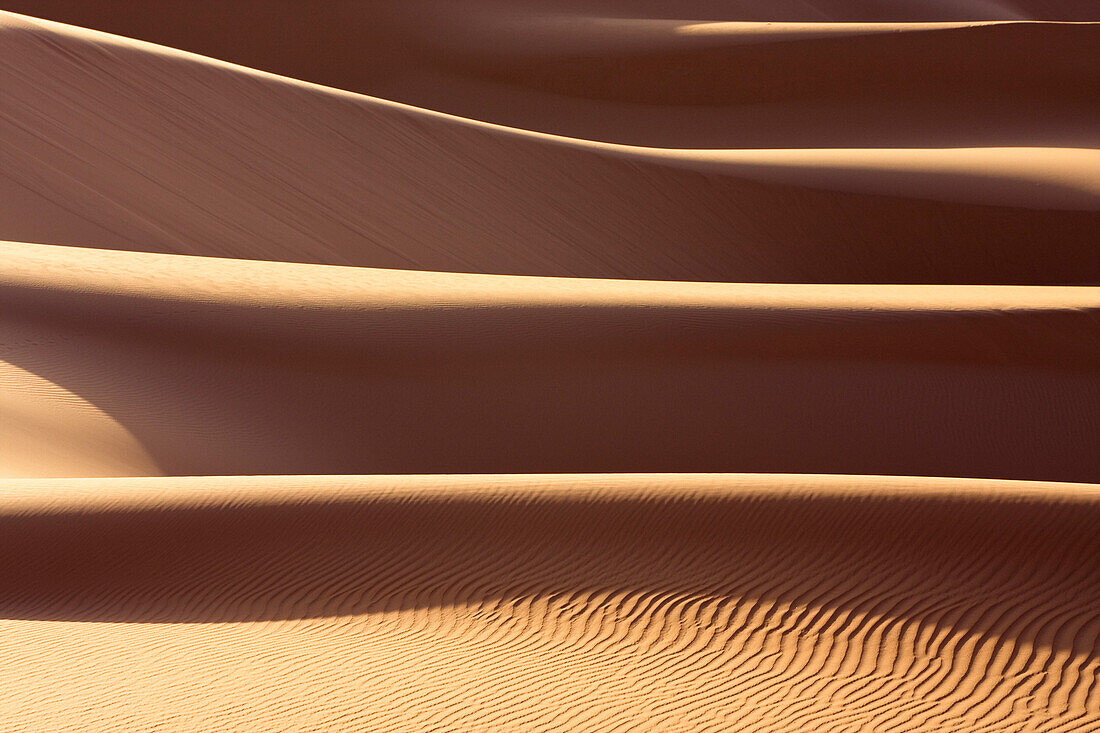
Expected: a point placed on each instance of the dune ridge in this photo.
(447, 56)
(357, 181)
(534, 375)
(418, 365)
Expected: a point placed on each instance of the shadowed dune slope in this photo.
(646, 602)
(117, 144)
(240, 367)
(683, 74)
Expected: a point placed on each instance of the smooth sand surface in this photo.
(708, 365)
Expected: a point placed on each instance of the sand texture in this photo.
(716, 365)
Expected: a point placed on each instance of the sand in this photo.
(546, 366)
(634, 602)
(122, 145)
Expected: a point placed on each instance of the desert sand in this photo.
(550, 366)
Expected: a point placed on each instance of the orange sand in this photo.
(550, 366)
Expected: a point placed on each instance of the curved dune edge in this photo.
(579, 602)
(46, 425)
(42, 271)
(340, 178)
(523, 33)
(1039, 178)
(662, 82)
(218, 366)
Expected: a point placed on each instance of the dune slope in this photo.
(707, 74)
(232, 366)
(118, 144)
(648, 602)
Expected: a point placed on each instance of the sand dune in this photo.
(230, 366)
(588, 602)
(888, 74)
(124, 145)
(714, 365)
